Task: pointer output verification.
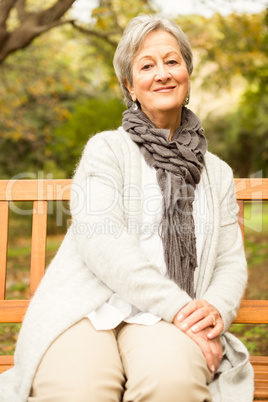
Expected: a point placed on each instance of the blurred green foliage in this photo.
(231, 49)
(241, 136)
(89, 117)
(62, 89)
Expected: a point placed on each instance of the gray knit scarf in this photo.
(178, 164)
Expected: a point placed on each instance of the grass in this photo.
(8, 338)
(255, 337)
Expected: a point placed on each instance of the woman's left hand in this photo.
(198, 315)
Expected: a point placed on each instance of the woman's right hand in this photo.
(211, 348)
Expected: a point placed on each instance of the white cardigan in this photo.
(115, 310)
(88, 268)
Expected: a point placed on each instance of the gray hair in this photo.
(132, 40)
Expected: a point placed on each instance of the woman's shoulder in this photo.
(220, 175)
(111, 149)
(111, 137)
(216, 166)
(109, 142)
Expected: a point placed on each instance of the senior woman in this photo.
(136, 304)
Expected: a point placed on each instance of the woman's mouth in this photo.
(164, 89)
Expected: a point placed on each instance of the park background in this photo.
(58, 88)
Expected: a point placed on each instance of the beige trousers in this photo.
(131, 363)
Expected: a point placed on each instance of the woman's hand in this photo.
(211, 348)
(199, 315)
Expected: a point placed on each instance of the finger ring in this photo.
(214, 321)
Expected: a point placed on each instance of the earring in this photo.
(187, 99)
(135, 105)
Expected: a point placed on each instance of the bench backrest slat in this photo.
(253, 312)
(13, 310)
(39, 238)
(33, 190)
(241, 217)
(251, 189)
(3, 246)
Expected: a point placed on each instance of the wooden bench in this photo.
(42, 191)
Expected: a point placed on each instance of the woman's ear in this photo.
(130, 90)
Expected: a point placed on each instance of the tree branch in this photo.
(114, 15)
(55, 12)
(5, 8)
(32, 24)
(101, 35)
(20, 7)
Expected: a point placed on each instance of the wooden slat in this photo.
(261, 373)
(32, 190)
(3, 246)
(259, 360)
(253, 312)
(261, 394)
(13, 310)
(251, 189)
(260, 365)
(261, 385)
(241, 218)
(39, 238)
(6, 362)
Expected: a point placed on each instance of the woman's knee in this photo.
(187, 378)
(163, 363)
(161, 384)
(80, 363)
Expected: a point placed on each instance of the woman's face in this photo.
(160, 77)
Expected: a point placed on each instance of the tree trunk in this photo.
(31, 24)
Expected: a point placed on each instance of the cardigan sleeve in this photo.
(103, 228)
(229, 276)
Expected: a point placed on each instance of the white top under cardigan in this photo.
(86, 270)
(116, 309)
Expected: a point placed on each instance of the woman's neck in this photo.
(168, 121)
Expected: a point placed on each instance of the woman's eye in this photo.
(172, 62)
(146, 67)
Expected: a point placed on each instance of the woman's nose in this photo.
(162, 74)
